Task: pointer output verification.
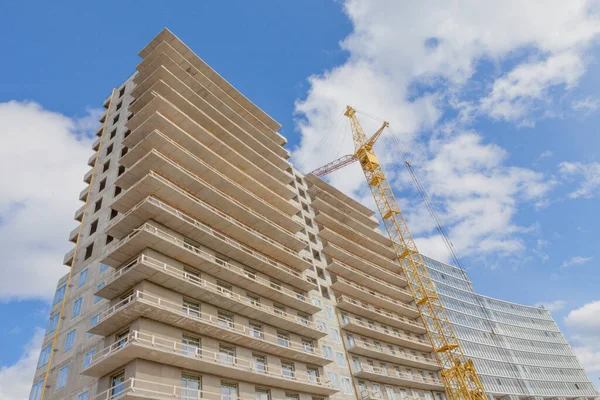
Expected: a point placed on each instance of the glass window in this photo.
(229, 391)
(77, 307)
(52, 323)
(322, 326)
(346, 385)
(256, 331)
(44, 356)
(316, 302)
(225, 319)
(333, 378)
(191, 345)
(93, 321)
(70, 340)
(87, 358)
(283, 339)
(287, 369)
(191, 308)
(192, 385)
(100, 286)
(60, 294)
(82, 278)
(308, 345)
(36, 390)
(340, 359)
(263, 394)
(329, 311)
(103, 267)
(63, 374)
(84, 396)
(313, 374)
(335, 335)
(227, 354)
(117, 384)
(327, 352)
(260, 363)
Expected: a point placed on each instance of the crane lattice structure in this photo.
(458, 372)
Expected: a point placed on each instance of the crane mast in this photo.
(458, 372)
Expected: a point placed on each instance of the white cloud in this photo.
(411, 62)
(588, 175)
(552, 305)
(544, 155)
(16, 379)
(576, 260)
(584, 323)
(43, 155)
(587, 105)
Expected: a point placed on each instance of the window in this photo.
(52, 322)
(98, 206)
(316, 255)
(124, 151)
(339, 359)
(329, 311)
(109, 239)
(70, 340)
(103, 267)
(320, 273)
(303, 318)
(88, 251)
(327, 352)
(122, 91)
(305, 208)
(59, 294)
(36, 390)
(93, 227)
(322, 326)
(113, 213)
(106, 166)
(63, 374)
(283, 339)
(82, 278)
(102, 185)
(224, 288)
(316, 301)
(191, 345)
(291, 396)
(192, 385)
(84, 396)
(334, 379)
(287, 369)
(312, 238)
(117, 384)
(225, 319)
(87, 358)
(116, 119)
(262, 394)
(324, 292)
(313, 374)
(77, 307)
(308, 346)
(256, 331)
(118, 191)
(119, 105)
(127, 133)
(279, 309)
(229, 391)
(93, 321)
(335, 335)
(100, 286)
(191, 308)
(44, 356)
(121, 170)
(254, 300)
(260, 363)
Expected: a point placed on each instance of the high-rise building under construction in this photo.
(206, 267)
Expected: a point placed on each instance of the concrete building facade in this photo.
(207, 267)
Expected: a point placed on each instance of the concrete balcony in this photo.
(355, 236)
(163, 213)
(147, 268)
(370, 394)
(137, 389)
(161, 73)
(346, 271)
(358, 250)
(141, 304)
(79, 213)
(283, 231)
(394, 276)
(385, 354)
(398, 337)
(166, 351)
(96, 144)
(200, 142)
(144, 103)
(84, 193)
(68, 259)
(74, 234)
(339, 200)
(359, 292)
(87, 178)
(366, 310)
(92, 160)
(270, 205)
(394, 377)
(172, 47)
(151, 236)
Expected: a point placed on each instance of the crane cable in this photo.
(321, 142)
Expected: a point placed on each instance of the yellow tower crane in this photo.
(458, 372)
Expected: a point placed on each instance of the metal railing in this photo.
(400, 335)
(207, 356)
(376, 310)
(380, 296)
(366, 262)
(371, 277)
(181, 274)
(394, 353)
(182, 310)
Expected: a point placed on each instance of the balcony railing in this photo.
(393, 353)
(370, 293)
(137, 338)
(376, 311)
(393, 373)
(397, 334)
(375, 279)
(201, 283)
(371, 394)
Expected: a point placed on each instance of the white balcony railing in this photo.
(375, 279)
(376, 310)
(380, 296)
(207, 356)
(398, 334)
(394, 373)
(181, 274)
(180, 309)
(393, 353)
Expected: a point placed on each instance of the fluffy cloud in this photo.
(15, 379)
(588, 176)
(584, 323)
(43, 156)
(577, 260)
(432, 69)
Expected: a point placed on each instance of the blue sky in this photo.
(500, 124)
